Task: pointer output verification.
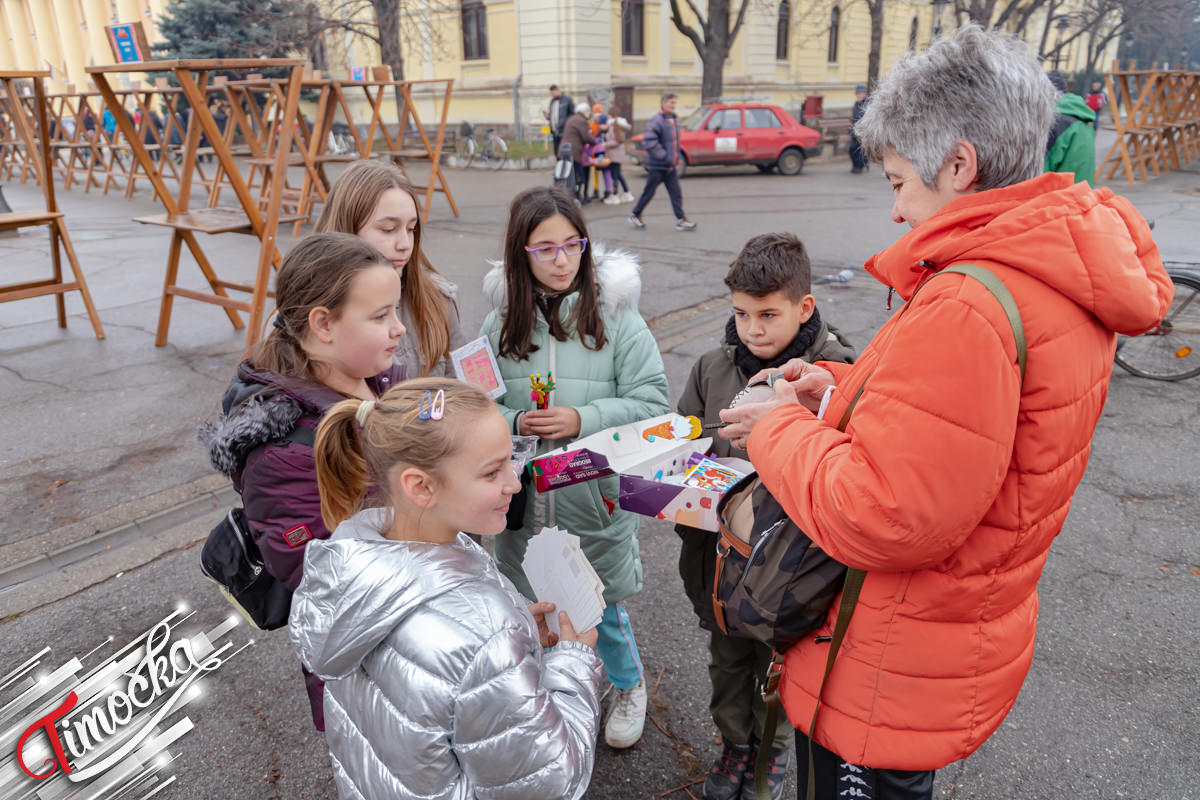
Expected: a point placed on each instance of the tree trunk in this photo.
(387, 19)
(876, 8)
(716, 40)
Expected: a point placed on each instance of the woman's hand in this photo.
(556, 422)
(566, 632)
(743, 418)
(539, 611)
(808, 380)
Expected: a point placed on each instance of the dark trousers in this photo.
(735, 669)
(617, 177)
(668, 177)
(857, 157)
(581, 176)
(557, 142)
(838, 780)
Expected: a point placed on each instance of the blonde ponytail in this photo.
(343, 475)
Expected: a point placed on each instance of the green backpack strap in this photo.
(1004, 297)
(854, 577)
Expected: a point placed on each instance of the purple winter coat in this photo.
(276, 479)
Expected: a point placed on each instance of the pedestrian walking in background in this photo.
(1097, 100)
(661, 141)
(560, 110)
(578, 134)
(858, 159)
(618, 132)
(1071, 146)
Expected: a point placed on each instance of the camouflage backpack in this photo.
(773, 584)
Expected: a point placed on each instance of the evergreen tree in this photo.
(232, 29)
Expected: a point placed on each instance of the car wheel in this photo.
(791, 162)
(681, 167)
(765, 169)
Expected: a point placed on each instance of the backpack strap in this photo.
(855, 577)
(300, 434)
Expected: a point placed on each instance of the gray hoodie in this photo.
(436, 683)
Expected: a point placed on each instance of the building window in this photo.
(632, 39)
(835, 24)
(781, 30)
(474, 28)
(912, 34)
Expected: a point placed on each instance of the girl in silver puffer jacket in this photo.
(437, 683)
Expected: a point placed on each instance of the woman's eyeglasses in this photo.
(549, 252)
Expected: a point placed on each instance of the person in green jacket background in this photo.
(567, 307)
(1072, 142)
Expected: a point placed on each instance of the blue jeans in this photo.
(617, 649)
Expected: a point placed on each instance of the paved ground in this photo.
(105, 494)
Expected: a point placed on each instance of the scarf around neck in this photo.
(749, 363)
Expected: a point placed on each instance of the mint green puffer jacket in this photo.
(623, 382)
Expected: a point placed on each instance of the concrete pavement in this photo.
(105, 493)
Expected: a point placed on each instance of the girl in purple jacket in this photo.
(333, 338)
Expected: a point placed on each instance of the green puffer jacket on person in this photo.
(1073, 139)
(621, 383)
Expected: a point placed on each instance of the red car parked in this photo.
(741, 133)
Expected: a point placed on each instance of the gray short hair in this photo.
(983, 87)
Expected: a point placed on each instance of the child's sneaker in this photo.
(627, 197)
(777, 765)
(685, 225)
(627, 717)
(731, 772)
(610, 200)
(636, 222)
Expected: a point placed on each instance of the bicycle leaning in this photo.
(1170, 351)
(493, 150)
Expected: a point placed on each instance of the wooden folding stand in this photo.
(193, 75)
(428, 150)
(37, 148)
(1157, 117)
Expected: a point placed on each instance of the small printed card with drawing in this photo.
(475, 363)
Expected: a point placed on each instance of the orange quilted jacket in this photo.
(951, 480)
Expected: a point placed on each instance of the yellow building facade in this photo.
(505, 54)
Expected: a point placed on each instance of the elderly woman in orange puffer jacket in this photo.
(953, 476)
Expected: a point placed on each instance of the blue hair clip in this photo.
(426, 408)
(438, 407)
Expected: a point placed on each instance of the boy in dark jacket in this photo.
(775, 319)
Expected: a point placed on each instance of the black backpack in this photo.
(778, 586)
(232, 560)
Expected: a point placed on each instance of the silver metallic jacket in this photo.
(437, 685)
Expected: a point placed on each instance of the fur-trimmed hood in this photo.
(260, 407)
(618, 274)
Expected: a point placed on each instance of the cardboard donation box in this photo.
(652, 457)
(682, 504)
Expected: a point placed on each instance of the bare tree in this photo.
(382, 27)
(716, 35)
(875, 7)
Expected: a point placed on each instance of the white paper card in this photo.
(560, 573)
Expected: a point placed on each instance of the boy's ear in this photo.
(808, 304)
